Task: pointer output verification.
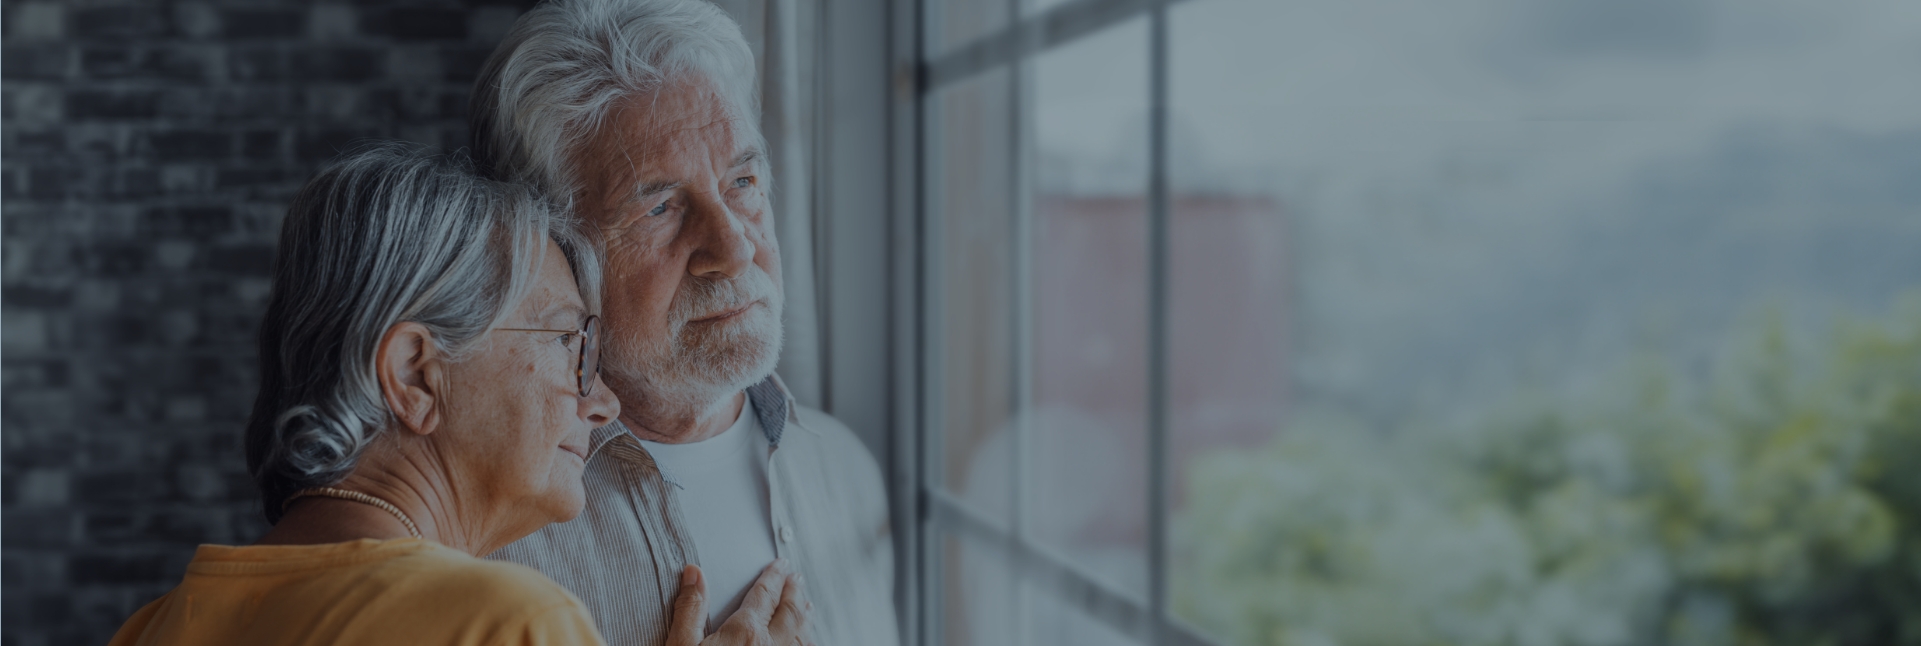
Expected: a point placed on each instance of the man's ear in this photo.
(411, 371)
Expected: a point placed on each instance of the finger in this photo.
(758, 606)
(690, 609)
(789, 625)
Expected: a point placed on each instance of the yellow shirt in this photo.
(406, 592)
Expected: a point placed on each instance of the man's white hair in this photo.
(550, 85)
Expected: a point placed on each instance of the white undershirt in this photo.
(723, 496)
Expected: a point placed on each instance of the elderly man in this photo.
(643, 114)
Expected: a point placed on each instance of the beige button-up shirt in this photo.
(623, 554)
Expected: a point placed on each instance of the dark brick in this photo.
(49, 373)
(39, 606)
(189, 526)
(185, 145)
(245, 102)
(256, 64)
(55, 450)
(189, 221)
(99, 142)
(108, 62)
(336, 64)
(112, 104)
(255, 259)
(17, 295)
(461, 64)
(137, 183)
(416, 23)
(120, 21)
(260, 145)
(36, 528)
(263, 23)
(415, 104)
(13, 572)
(109, 527)
(141, 210)
(45, 183)
(53, 607)
(114, 259)
(37, 145)
(322, 145)
(96, 569)
(245, 176)
(99, 609)
(34, 62)
(122, 487)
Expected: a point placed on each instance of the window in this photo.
(1411, 322)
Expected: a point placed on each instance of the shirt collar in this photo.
(773, 408)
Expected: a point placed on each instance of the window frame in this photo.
(926, 513)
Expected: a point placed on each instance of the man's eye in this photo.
(743, 182)
(658, 209)
(567, 339)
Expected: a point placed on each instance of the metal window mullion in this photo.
(908, 356)
(931, 466)
(1157, 340)
(820, 152)
(1036, 563)
(1020, 141)
(1023, 38)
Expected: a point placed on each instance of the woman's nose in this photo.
(600, 407)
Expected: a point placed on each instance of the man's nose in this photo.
(722, 249)
(600, 407)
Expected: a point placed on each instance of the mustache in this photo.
(701, 297)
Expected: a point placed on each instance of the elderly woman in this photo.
(428, 384)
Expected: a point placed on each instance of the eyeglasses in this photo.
(589, 365)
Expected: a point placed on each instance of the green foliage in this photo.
(1772, 500)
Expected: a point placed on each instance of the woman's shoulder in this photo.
(362, 592)
(515, 603)
(450, 575)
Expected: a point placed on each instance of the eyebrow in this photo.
(548, 314)
(654, 188)
(746, 157)
(749, 156)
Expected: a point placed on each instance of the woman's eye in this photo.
(743, 182)
(567, 340)
(658, 209)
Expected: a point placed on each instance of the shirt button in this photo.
(786, 534)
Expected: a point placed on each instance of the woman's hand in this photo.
(773, 614)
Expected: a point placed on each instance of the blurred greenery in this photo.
(1769, 498)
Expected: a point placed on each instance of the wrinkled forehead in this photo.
(686, 121)
(552, 299)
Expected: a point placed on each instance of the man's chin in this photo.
(697, 380)
(738, 355)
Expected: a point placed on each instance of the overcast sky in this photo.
(1478, 184)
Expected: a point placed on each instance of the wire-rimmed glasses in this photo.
(589, 364)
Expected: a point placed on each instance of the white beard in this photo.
(691, 367)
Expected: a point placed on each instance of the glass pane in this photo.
(989, 602)
(1030, 8)
(966, 593)
(1086, 420)
(1055, 620)
(1581, 322)
(973, 218)
(950, 24)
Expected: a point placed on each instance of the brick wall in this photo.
(149, 150)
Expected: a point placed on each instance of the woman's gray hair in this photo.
(385, 235)
(551, 84)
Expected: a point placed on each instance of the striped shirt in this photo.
(623, 555)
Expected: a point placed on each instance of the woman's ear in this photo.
(411, 370)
